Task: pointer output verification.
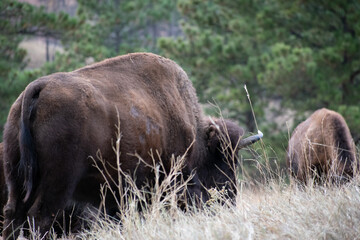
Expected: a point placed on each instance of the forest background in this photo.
(293, 56)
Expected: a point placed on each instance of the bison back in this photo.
(322, 142)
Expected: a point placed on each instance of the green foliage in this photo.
(18, 20)
(111, 28)
(327, 73)
(217, 52)
(124, 26)
(305, 53)
(287, 71)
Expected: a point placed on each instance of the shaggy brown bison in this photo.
(322, 148)
(62, 119)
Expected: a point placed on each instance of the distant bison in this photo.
(322, 148)
(62, 119)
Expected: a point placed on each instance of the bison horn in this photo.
(250, 140)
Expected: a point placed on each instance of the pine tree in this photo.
(304, 54)
(219, 51)
(17, 21)
(316, 62)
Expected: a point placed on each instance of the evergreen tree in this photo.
(18, 20)
(302, 53)
(112, 28)
(100, 29)
(219, 51)
(316, 62)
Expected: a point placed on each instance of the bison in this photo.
(60, 120)
(321, 148)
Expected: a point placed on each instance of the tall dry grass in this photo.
(273, 211)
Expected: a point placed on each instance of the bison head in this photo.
(223, 142)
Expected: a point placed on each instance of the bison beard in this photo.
(322, 149)
(62, 119)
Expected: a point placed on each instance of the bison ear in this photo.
(213, 138)
(222, 131)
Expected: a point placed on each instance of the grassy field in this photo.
(273, 211)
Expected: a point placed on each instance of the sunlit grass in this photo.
(272, 211)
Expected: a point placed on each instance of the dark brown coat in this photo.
(62, 119)
(3, 193)
(322, 146)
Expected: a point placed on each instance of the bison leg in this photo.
(15, 209)
(41, 211)
(49, 204)
(13, 219)
(53, 195)
(41, 214)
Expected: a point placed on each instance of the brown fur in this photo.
(322, 146)
(3, 193)
(62, 119)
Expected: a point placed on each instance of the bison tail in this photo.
(28, 158)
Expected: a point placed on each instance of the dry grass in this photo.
(268, 212)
